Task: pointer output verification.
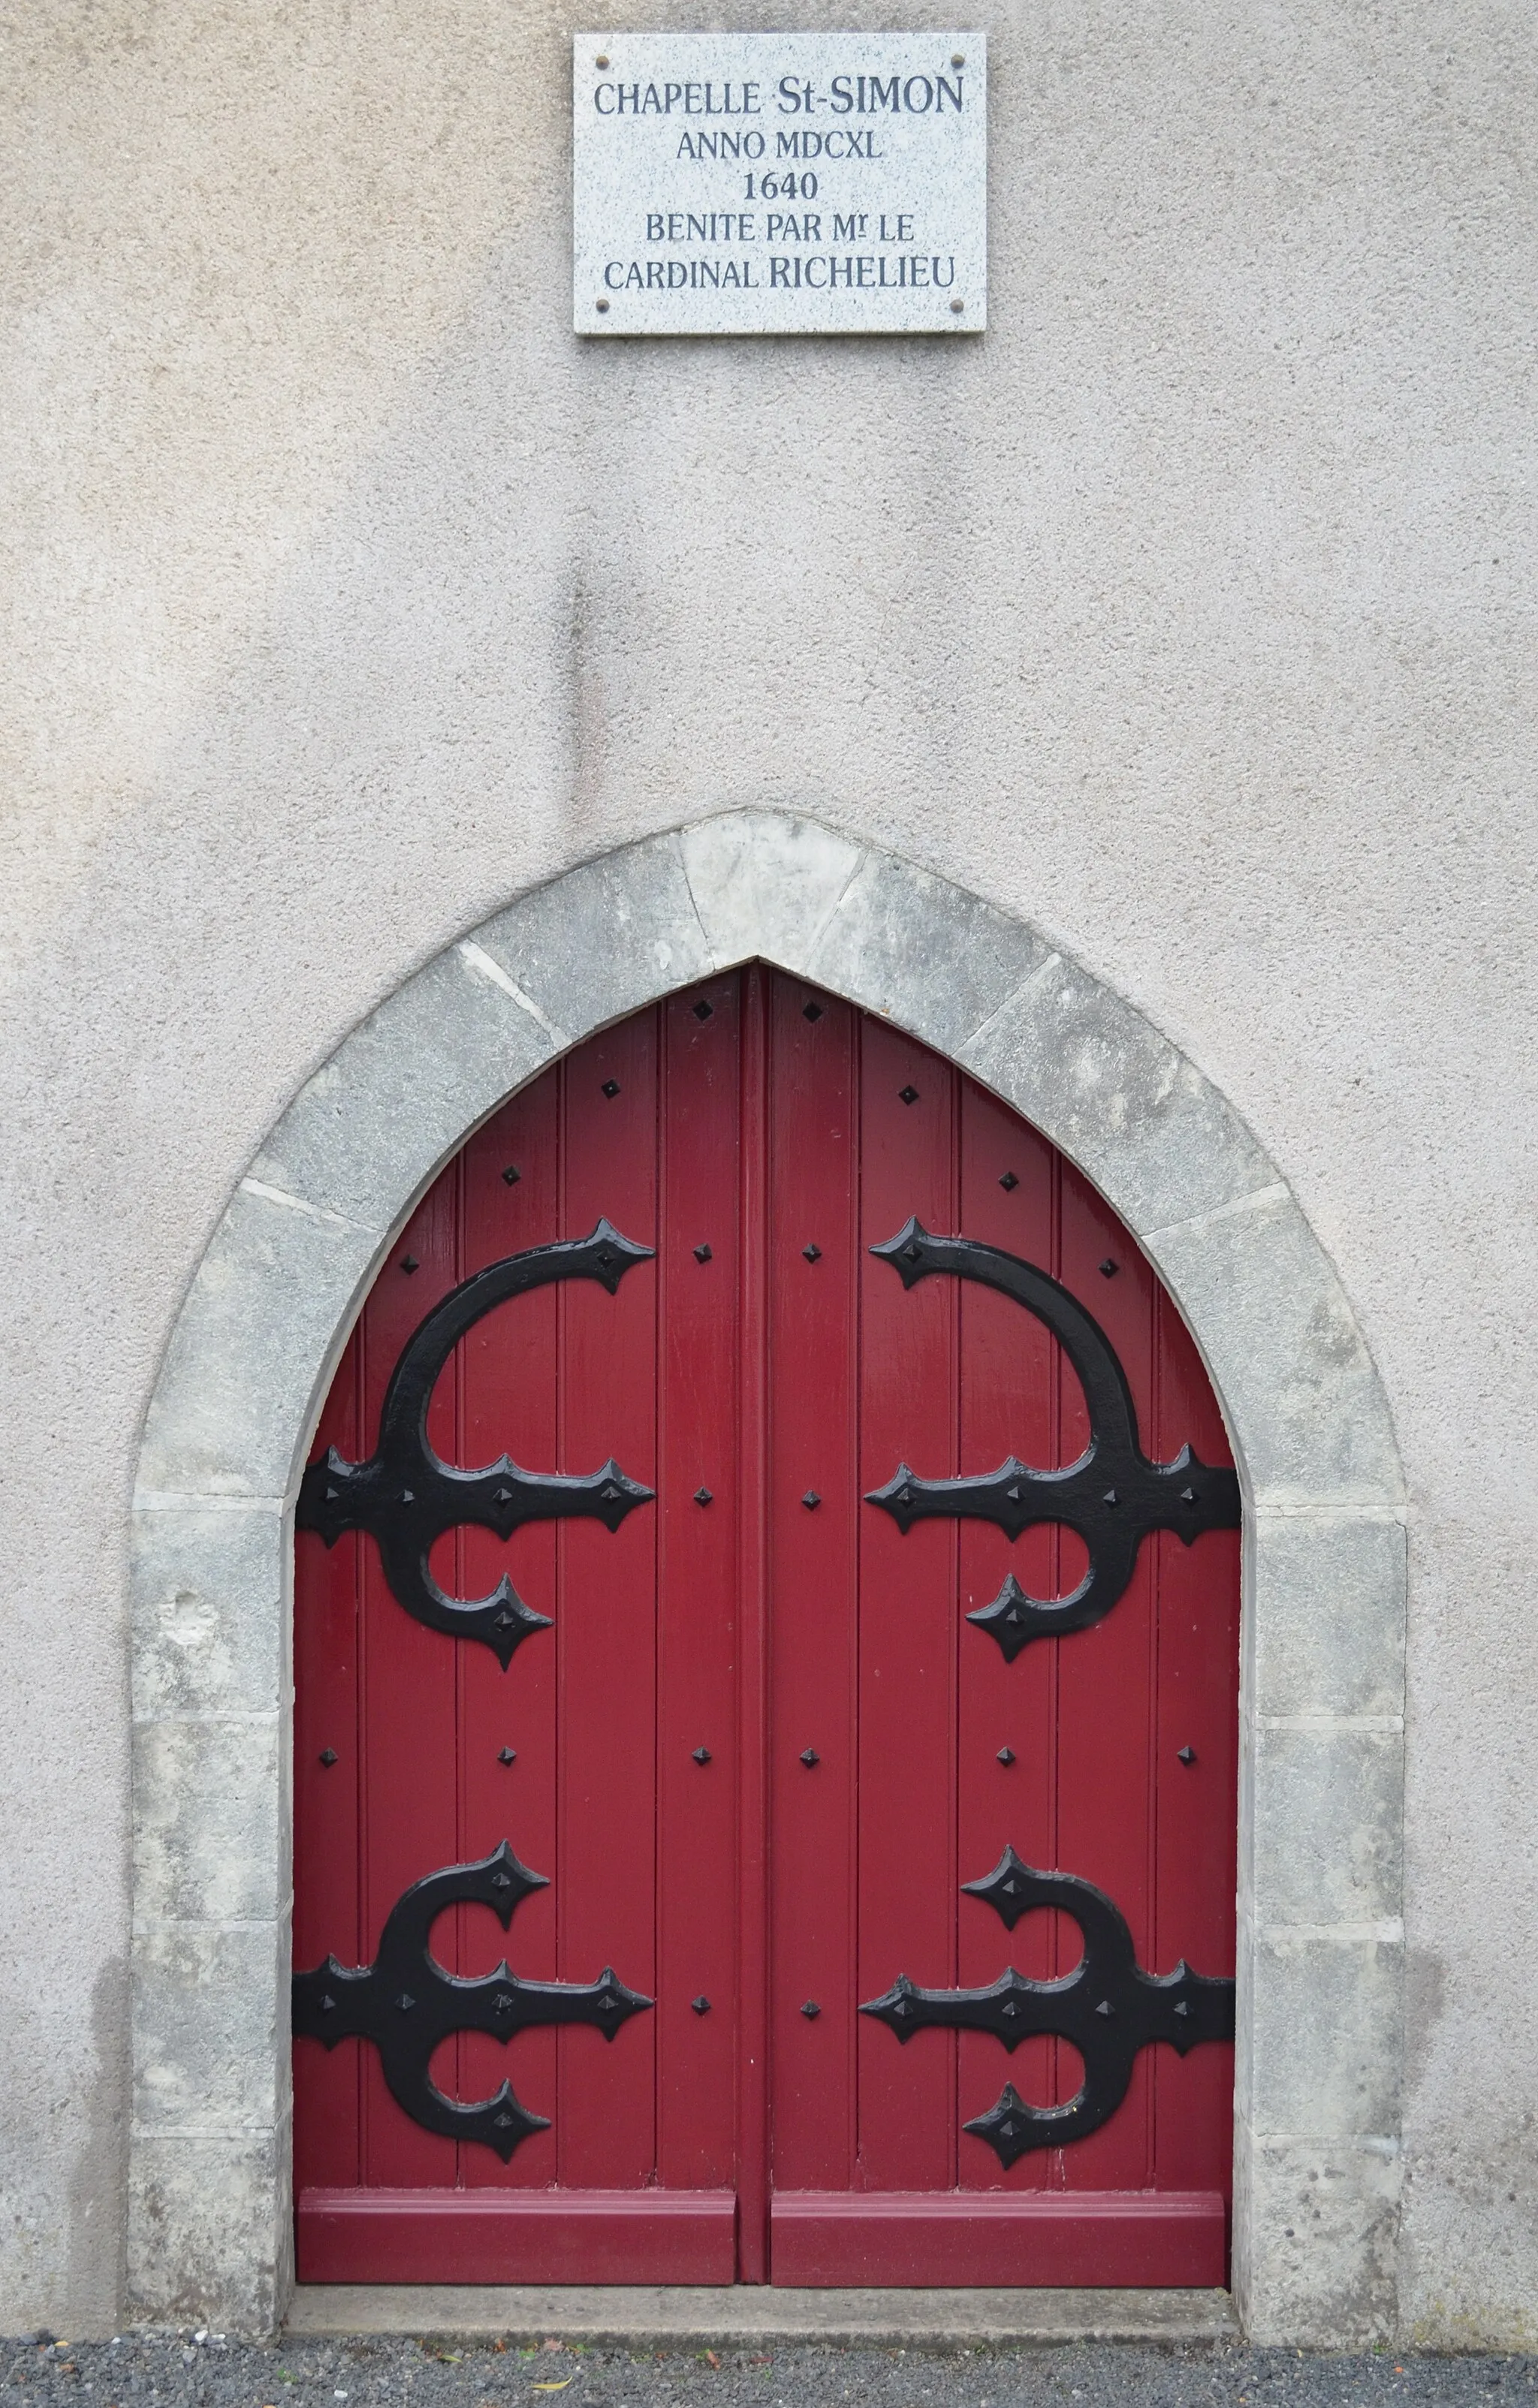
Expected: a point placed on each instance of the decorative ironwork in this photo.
(1113, 1497)
(406, 2005)
(1007, 2126)
(1108, 2007)
(405, 1497)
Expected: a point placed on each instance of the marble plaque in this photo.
(780, 183)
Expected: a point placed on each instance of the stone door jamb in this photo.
(270, 1307)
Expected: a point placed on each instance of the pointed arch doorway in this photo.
(771, 1848)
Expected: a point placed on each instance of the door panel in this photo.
(760, 1747)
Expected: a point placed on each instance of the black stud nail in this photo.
(507, 1755)
(1187, 1496)
(810, 1756)
(702, 1496)
(1186, 1755)
(812, 1011)
(1006, 1756)
(702, 1253)
(511, 1175)
(1009, 1182)
(1105, 2007)
(702, 1755)
(700, 2005)
(1110, 1497)
(410, 1263)
(611, 1088)
(1109, 1269)
(702, 1010)
(814, 1253)
(811, 1501)
(328, 1757)
(812, 2011)
(907, 1095)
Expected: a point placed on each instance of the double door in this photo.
(740, 1835)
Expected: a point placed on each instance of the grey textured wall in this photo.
(1187, 613)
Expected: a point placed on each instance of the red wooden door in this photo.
(784, 1775)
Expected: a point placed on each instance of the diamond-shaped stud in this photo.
(702, 1253)
(1007, 1889)
(1006, 1756)
(506, 1756)
(1009, 1182)
(810, 1756)
(611, 1088)
(700, 2005)
(1010, 2127)
(812, 2011)
(410, 1263)
(908, 1094)
(511, 1175)
(702, 1755)
(1109, 1269)
(702, 1010)
(811, 1501)
(812, 1252)
(812, 1011)
(328, 1757)
(702, 1496)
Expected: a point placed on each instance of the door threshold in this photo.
(679, 2313)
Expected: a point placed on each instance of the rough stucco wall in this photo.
(1183, 613)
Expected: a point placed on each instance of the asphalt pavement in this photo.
(187, 2371)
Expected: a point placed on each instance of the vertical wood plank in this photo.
(813, 1196)
(409, 1736)
(1007, 1407)
(606, 1640)
(753, 2091)
(907, 1611)
(507, 1370)
(696, 1687)
(328, 1801)
(1195, 1805)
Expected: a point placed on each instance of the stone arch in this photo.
(270, 1307)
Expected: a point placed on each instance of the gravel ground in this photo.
(181, 2371)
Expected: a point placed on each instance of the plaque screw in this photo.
(506, 1755)
(1186, 1755)
(1006, 1756)
(600, 307)
(958, 59)
(702, 1755)
(702, 1253)
(957, 307)
(601, 61)
(328, 1758)
(700, 2005)
(810, 1758)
